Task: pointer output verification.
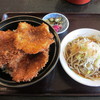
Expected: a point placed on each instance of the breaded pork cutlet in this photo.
(25, 50)
(29, 66)
(32, 39)
(8, 53)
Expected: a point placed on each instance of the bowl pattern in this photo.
(65, 23)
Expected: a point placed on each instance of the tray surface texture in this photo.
(58, 83)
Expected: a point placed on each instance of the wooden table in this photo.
(47, 6)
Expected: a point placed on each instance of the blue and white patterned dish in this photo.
(65, 20)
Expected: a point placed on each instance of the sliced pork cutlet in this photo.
(8, 53)
(32, 39)
(29, 66)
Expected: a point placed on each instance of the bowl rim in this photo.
(56, 53)
(64, 63)
(65, 29)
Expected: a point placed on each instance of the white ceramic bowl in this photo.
(65, 23)
(68, 38)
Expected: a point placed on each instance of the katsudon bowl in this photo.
(12, 23)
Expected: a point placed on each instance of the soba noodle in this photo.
(83, 57)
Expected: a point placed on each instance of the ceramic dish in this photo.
(12, 23)
(83, 32)
(64, 21)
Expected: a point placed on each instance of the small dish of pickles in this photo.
(58, 21)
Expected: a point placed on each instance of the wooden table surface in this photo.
(47, 6)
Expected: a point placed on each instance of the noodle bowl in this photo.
(80, 56)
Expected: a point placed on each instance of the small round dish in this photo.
(61, 26)
(83, 32)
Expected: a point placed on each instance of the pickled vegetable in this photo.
(56, 23)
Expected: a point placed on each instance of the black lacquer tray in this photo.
(58, 83)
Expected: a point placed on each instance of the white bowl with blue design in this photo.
(64, 24)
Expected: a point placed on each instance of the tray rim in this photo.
(69, 13)
(50, 12)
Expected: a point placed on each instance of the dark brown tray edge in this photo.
(53, 95)
(39, 13)
(49, 12)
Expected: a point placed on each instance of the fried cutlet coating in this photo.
(25, 50)
(8, 53)
(32, 39)
(29, 66)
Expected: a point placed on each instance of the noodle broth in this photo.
(83, 57)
